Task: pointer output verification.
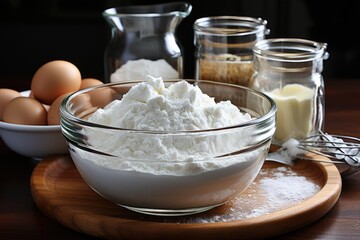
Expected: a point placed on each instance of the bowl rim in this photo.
(65, 114)
(28, 128)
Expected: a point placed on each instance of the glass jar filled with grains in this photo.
(223, 47)
(289, 70)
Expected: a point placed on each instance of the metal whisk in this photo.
(338, 148)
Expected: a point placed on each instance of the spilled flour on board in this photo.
(275, 189)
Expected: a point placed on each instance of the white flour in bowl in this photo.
(163, 170)
(181, 106)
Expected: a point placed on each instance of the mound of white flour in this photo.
(181, 106)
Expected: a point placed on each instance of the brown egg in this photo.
(6, 95)
(102, 96)
(89, 82)
(54, 79)
(82, 105)
(53, 116)
(25, 110)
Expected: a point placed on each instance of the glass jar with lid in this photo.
(223, 47)
(143, 41)
(290, 71)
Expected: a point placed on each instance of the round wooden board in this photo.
(60, 192)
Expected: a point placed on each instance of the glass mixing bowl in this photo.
(215, 165)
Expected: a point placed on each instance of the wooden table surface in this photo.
(20, 218)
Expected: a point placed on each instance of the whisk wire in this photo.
(337, 149)
(320, 153)
(333, 147)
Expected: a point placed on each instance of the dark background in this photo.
(35, 32)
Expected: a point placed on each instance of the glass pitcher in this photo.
(143, 41)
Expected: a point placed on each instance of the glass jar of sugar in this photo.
(223, 47)
(143, 41)
(290, 71)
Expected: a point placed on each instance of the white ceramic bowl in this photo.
(33, 141)
(167, 184)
